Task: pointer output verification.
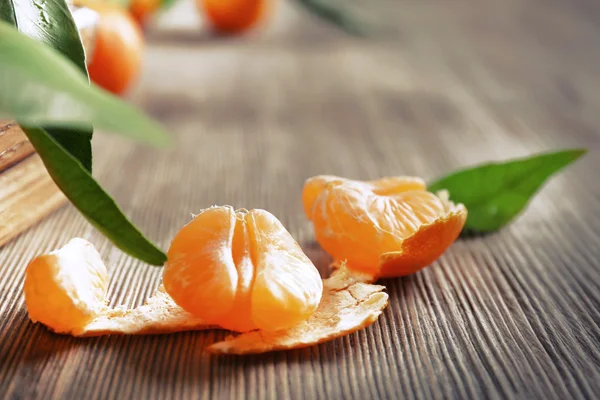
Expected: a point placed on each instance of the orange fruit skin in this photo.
(385, 228)
(234, 16)
(423, 247)
(242, 271)
(117, 56)
(142, 10)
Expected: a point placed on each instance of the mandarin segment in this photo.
(268, 283)
(66, 289)
(387, 227)
(287, 287)
(200, 274)
(239, 316)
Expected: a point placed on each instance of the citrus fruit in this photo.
(116, 59)
(234, 16)
(66, 291)
(387, 227)
(241, 270)
(348, 305)
(142, 10)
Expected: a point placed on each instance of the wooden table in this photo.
(511, 315)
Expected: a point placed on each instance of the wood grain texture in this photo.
(511, 315)
(14, 145)
(27, 195)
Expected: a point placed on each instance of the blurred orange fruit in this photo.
(142, 10)
(117, 56)
(241, 270)
(234, 16)
(387, 227)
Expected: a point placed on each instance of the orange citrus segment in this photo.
(200, 274)
(347, 306)
(66, 291)
(267, 281)
(239, 316)
(391, 221)
(287, 287)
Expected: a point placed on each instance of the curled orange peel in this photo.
(65, 290)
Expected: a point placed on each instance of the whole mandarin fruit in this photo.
(234, 16)
(117, 57)
(142, 10)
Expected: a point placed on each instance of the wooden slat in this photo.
(512, 315)
(14, 145)
(27, 195)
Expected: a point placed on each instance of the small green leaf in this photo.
(335, 14)
(497, 192)
(91, 200)
(39, 87)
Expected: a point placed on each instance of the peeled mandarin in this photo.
(388, 227)
(241, 270)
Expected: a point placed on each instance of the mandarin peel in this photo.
(348, 305)
(241, 270)
(385, 228)
(158, 315)
(426, 245)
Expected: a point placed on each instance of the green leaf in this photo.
(66, 148)
(51, 22)
(77, 142)
(335, 14)
(497, 192)
(47, 21)
(91, 200)
(39, 87)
